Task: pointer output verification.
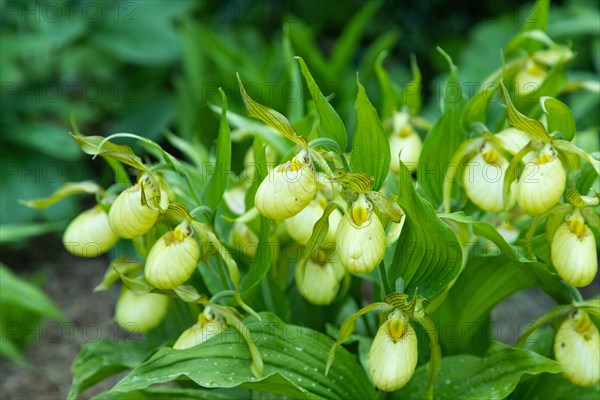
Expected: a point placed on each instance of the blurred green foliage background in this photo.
(150, 66)
(145, 66)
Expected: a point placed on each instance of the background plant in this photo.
(190, 125)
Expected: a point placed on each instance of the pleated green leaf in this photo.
(294, 364)
(427, 256)
(331, 125)
(370, 146)
(494, 376)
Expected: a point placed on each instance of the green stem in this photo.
(168, 158)
(540, 322)
(384, 279)
(221, 269)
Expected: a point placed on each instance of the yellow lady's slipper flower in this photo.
(173, 258)
(89, 234)
(128, 217)
(243, 239)
(574, 252)
(287, 189)
(483, 180)
(321, 280)
(208, 325)
(577, 349)
(530, 77)
(542, 182)
(360, 238)
(140, 313)
(300, 226)
(405, 143)
(393, 354)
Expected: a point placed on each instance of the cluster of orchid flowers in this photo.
(344, 227)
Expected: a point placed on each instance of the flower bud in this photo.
(360, 238)
(508, 231)
(300, 226)
(484, 179)
(89, 234)
(208, 325)
(243, 239)
(320, 283)
(250, 165)
(173, 258)
(287, 189)
(542, 182)
(128, 217)
(235, 198)
(405, 143)
(140, 313)
(530, 77)
(573, 251)
(393, 354)
(577, 349)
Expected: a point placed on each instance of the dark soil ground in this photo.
(70, 281)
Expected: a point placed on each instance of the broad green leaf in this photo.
(375, 48)
(46, 136)
(214, 189)
(494, 376)
(122, 32)
(370, 147)
(349, 41)
(261, 263)
(9, 349)
(66, 190)
(537, 16)
(542, 276)
(476, 109)
(10, 233)
(296, 107)
(484, 283)
(270, 117)
(102, 359)
(522, 122)
(294, 364)
(303, 39)
(17, 292)
(388, 91)
(556, 387)
(170, 393)
(559, 117)
(330, 123)
(411, 94)
(427, 256)
(444, 138)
